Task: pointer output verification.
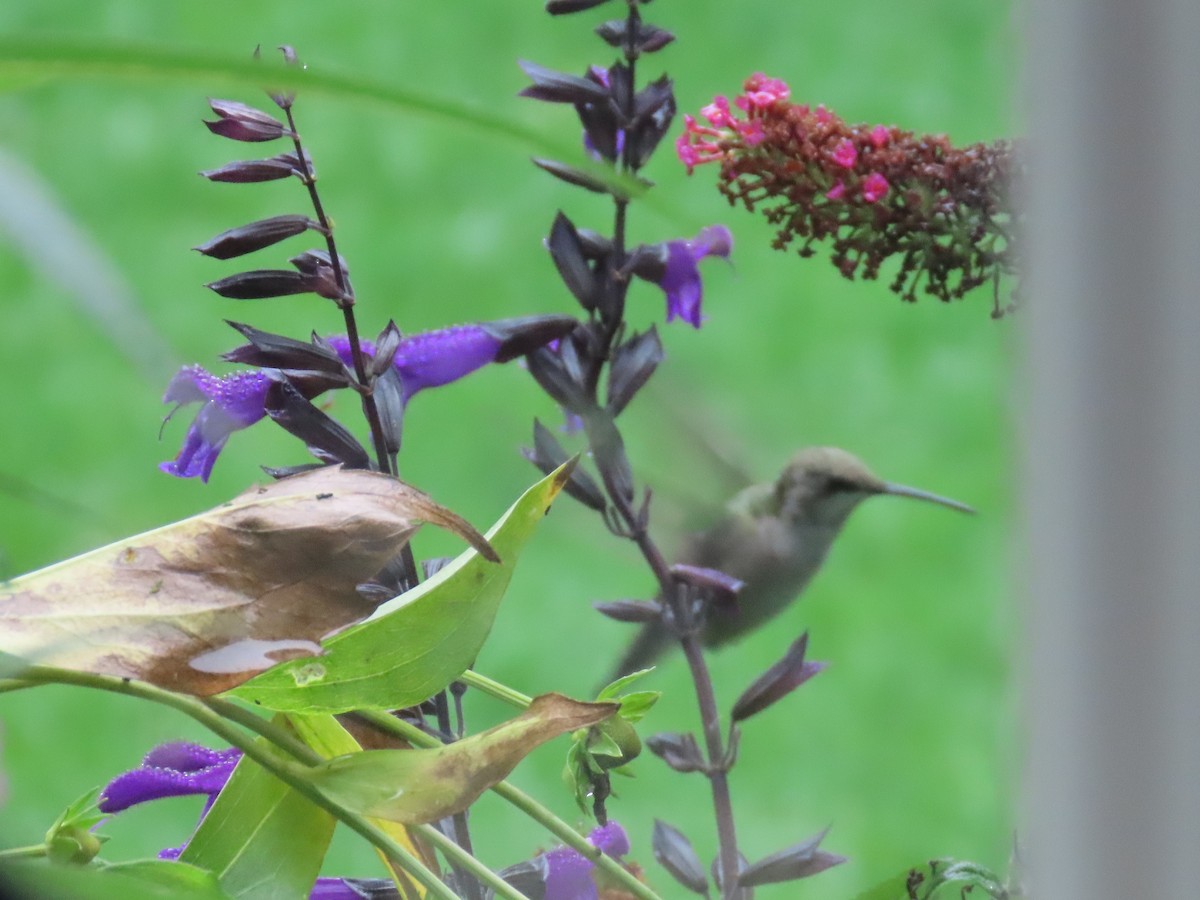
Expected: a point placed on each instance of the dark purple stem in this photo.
(717, 768)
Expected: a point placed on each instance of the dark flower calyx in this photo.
(560, 87)
(522, 335)
(679, 751)
(791, 864)
(322, 278)
(325, 438)
(570, 257)
(240, 122)
(579, 177)
(256, 235)
(564, 7)
(548, 454)
(647, 38)
(674, 853)
(633, 362)
(633, 611)
(261, 284)
(247, 171)
(778, 681)
(275, 351)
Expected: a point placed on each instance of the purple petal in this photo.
(151, 782)
(681, 276)
(569, 876)
(231, 403)
(438, 357)
(610, 838)
(186, 757)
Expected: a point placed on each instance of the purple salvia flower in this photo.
(681, 275)
(171, 770)
(439, 357)
(230, 403)
(569, 873)
(433, 358)
(353, 889)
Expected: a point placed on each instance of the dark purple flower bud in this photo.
(633, 363)
(795, 862)
(648, 39)
(635, 611)
(654, 112)
(778, 681)
(263, 233)
(567, 250)
(674, 853)
(522, 335)
(170, 770)
(252, 170)
(674, 267)
(230, 403)
(325, 438)
(384, 355)
(548, 454)
(261, 284)
(321, 277)
(559, 87)
(724, 588)
(578, 177)
(244, 123)
(275, 351)
(562, 7)
(679, 751)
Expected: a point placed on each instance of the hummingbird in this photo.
(773, 538)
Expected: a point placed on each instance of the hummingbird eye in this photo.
(836, 484)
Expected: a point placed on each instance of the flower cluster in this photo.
(873, 191)
(418, 361)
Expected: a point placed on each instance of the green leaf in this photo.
(328, 738)
(415, 644)
(263, 840)
(146, 879)
(635, 706)
(417, 786)
(925, 881)
(610, 691)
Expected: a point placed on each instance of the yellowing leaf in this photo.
(200, 605)
(326, 735)
(416, 786)
(415, 644)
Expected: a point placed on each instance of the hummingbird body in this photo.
(774, 538)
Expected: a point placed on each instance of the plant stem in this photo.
(526, 804)
(346, 303)
(290, 773)
(280, 737)
(33, 851)
(495, 689)
(462, 859)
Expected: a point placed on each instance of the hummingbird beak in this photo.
(900, 490)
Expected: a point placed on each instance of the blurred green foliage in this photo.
(907, 744)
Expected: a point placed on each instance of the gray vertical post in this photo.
(1112, 450)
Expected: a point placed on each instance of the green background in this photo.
(907, 745)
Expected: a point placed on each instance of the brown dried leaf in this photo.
(415, 786)
(200, 605)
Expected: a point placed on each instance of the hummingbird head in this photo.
(823, 485)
